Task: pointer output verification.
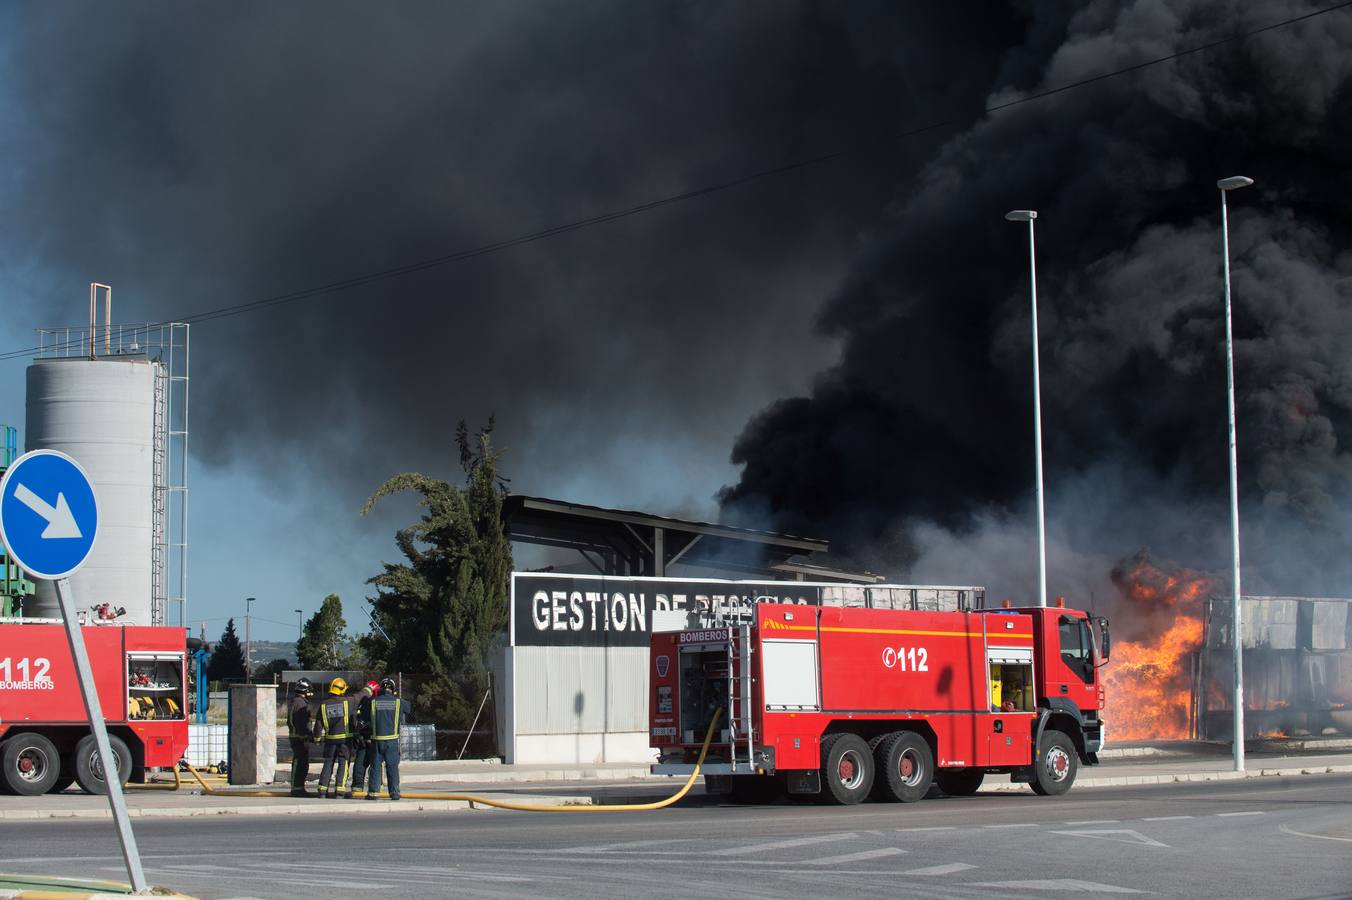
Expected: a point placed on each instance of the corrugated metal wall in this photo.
(581, 690)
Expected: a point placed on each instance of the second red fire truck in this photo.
(848, 703)
(45, 741)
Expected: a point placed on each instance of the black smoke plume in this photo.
(915, 452)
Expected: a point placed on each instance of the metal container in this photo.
(102, 413)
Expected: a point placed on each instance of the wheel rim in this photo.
(96, 764)
(850, 770)
(1058, 764)
(31, 764)
(910, 767)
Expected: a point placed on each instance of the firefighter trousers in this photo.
(388, 753)
(300, 764)
(363, 753)
(333, 775)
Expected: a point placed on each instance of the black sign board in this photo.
(603, 611)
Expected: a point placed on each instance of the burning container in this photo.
(1297, 668)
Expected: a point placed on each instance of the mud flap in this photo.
(803, 782)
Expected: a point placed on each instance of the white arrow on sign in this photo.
(60, 522)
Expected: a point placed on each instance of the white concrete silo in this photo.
(102, 412)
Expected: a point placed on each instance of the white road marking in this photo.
(1057, 884)
(1166, 818)
(1286, 829)
(1255, 812)
(784, 845)
(604, 848)
(932, 828)
(855, 857)
(1096, 822)
(1120, 835)
(1014, 825)
(947, 869)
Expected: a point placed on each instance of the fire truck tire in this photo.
(847, 769)
(960, 782)
(30, 764)
(1056, 764)
(89, 769)
(905, 767)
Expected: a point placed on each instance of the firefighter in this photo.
(335, 727)
(300, 723)
(362, 751)
(388, 712)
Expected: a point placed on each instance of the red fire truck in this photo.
(851, 702)
(45, 742)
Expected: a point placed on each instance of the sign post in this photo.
(49, 518)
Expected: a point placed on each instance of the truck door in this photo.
(1068, 660)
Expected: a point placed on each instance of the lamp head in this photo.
(1234, 182)
(1021, 215)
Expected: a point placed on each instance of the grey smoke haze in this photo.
(922, 433)
(201, 156)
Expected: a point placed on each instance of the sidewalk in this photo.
(616, 783)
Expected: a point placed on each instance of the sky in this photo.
(839, 350)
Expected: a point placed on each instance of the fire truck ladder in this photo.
(741, 717)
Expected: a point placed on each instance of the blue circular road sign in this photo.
(49, 515)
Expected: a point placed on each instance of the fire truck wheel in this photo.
(905, 766)
(89, 768)
(847, 769)
(960, 782)
(31, 764)
(1056, 764)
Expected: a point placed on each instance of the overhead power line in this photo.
(649, 206)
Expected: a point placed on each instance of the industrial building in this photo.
(572, 684)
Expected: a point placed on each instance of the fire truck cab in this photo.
(45, 741)
(848, 703)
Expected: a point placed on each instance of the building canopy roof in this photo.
(620, 541)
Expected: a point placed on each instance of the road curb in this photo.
(215, 807)
(1185, 777)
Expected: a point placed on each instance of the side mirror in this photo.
(1105, 639)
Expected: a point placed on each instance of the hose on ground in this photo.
(474, 799)
(158, 786)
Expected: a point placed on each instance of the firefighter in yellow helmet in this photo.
(334, 725)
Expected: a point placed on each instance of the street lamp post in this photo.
(248, 638)
(1028, 215)
(1236, 632)
(300, 629)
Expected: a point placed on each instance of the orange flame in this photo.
(1149, 681)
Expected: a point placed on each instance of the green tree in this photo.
(445, 609)
(227, 660)
(319, 644)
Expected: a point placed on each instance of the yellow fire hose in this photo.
(159, 786)
(504, 804)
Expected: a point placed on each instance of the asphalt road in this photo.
(1270, 838)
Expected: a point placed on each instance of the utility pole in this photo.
(1237, 630)
(300, 629)
(1028, 215)
(248, 638)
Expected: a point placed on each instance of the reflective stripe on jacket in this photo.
(385, 714)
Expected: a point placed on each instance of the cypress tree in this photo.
(227, 660)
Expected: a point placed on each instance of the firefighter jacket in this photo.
(299, 718)
(387, 712)
(337, 715)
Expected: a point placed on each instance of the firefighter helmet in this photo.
(387, 685)
(304, 688)
(337, 686)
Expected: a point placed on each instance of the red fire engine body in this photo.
(848, 702)
(45, 741)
